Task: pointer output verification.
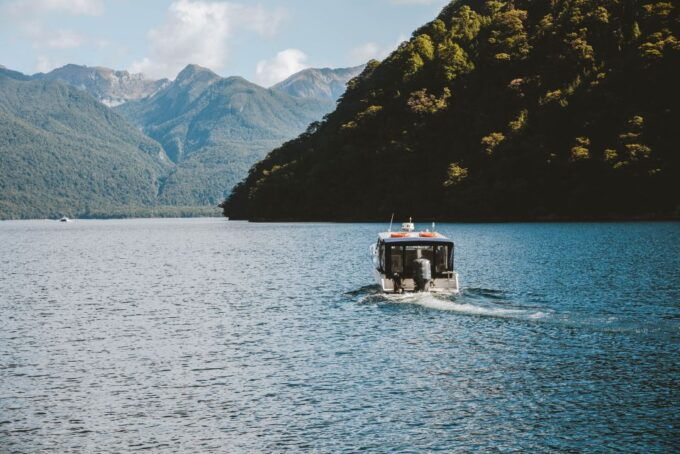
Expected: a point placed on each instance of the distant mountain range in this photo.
(215, 128)
(63, 152)
(325, 83)
(181, 143)
(108, 86)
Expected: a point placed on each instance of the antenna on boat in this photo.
(391, 219)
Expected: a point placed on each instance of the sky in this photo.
(264, 41)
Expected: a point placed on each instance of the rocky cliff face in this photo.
(107, 85)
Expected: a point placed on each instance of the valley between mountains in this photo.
(95, 142)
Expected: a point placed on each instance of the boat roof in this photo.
(413, 237)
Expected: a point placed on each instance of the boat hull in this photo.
(438, 285)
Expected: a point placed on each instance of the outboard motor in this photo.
(397, 281)
(422, 275)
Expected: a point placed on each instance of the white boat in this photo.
(411, 261)
(64, 219)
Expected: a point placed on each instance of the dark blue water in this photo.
(210, 336)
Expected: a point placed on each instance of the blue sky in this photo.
(263, 41)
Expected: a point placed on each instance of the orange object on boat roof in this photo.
(398, 235)
(428, 234)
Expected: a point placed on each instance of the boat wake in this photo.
(480, 302)
(475, 302)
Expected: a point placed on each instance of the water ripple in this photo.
(201, 335)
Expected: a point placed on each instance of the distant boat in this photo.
(414, 261)
(65, 219)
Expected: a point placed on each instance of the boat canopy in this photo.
(396, 255)
(417, 240)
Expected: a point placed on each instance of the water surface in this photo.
(202, 335)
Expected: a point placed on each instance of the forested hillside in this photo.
(62, 153)
(496, 110)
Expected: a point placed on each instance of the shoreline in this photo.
(485, 220)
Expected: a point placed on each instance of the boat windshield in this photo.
(441, 259)
(402, 257)
(397, 259)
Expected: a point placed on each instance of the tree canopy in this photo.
(495, 110)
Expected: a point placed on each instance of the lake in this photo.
(206, 335)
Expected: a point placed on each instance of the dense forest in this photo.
(64, 153)
(495, 110)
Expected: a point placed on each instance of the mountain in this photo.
(215, 128)
(11, 74)
(107, 85)
(495, 110)
(63, 152)
(324, 83)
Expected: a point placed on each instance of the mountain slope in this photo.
(495, 110)
(62, 152)
(324, 83)
(11, 74)
(108, 86)
(215, 128)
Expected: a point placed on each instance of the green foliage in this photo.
(61, 152)
(214, 129)
(370, 112)
(491, 141)
(525, 110)
(580, 150)
(520, 122)
(423, 103)
(456, 174)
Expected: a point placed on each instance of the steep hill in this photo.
(324, 83)
(496, 110)
(107, 85)
(63, 152)
(215, 128)
(11, 74)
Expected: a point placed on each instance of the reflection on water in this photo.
(201, 335)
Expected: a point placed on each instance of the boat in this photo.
(414, 261)
(64, 219)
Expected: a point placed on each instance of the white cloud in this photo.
(44, 38)
(75, 7)
(198, 32)
(64, 39)
(367, 51)
(29, 16)
(284, 64)
(45, 64)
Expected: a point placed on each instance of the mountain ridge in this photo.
(63, 152)
(215, 128)
(321, 83)
(109, 86)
